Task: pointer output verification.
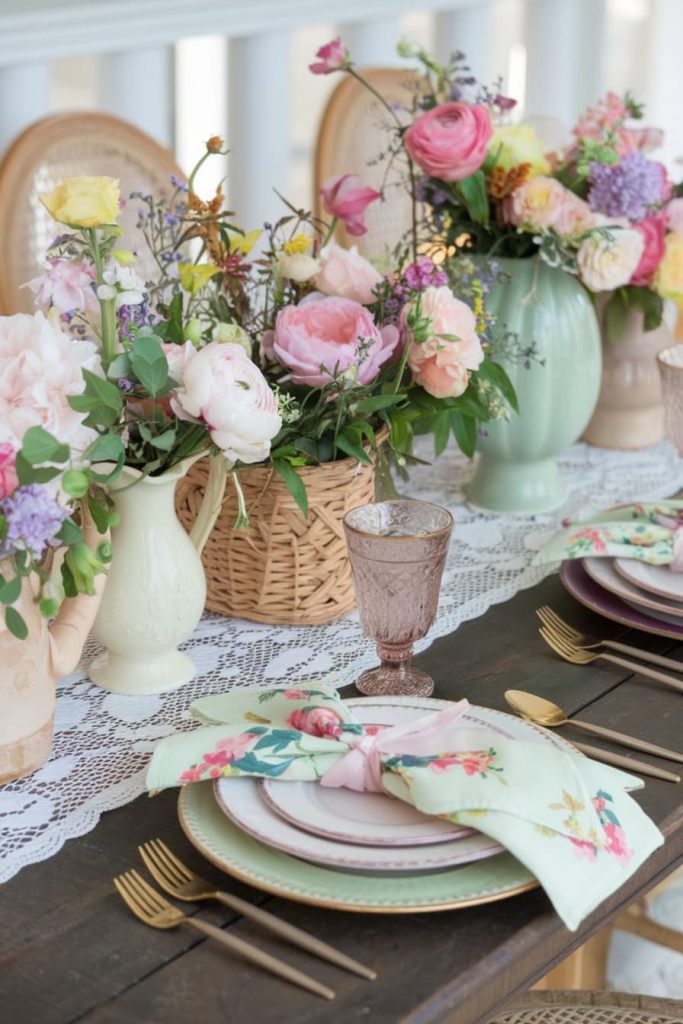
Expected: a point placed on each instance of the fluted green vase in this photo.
(517, 467)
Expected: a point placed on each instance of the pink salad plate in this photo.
(603, 572)
(590, 594)
(659, 580)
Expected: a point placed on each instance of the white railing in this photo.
(559, 54)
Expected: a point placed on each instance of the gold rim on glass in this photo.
(410, 536)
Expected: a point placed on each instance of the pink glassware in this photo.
(397, 551)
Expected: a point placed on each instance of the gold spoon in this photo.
(544, 712)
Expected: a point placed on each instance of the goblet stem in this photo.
(395, 674)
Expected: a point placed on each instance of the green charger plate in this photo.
(230, 849)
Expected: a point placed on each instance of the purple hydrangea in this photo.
(33, 520)
(626, 189)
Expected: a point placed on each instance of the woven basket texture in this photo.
(284, 569)
(591, 1007)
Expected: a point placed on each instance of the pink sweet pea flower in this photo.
(347, 198)
(65, 285)
(333, 57)
(8, 474)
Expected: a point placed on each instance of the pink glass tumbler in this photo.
(397, 551)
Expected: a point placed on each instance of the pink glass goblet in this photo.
(397, 551)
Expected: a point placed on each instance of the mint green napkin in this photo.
(650, 532)
(570, 820)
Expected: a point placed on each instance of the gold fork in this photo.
(553, 621)
(568, 650)
(150, 907)
(176, 879)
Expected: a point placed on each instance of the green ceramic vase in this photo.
(517, 468)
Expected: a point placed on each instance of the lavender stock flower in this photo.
(33, 520)
(626, 189)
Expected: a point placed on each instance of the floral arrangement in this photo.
(601, 208)
(48, 483)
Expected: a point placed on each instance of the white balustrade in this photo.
(24, 98)
(554, 63)
(469, 29)
(137, 85)
(373, 43)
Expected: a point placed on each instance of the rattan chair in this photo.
(55, 148)
(353, 139)
(590, 1008)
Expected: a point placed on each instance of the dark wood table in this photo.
(70, 951)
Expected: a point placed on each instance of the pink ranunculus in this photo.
(440, 365)
(9, 480)
(450, 142)
(347, 198)
(331, 57)
(316, 721)
(40, 368)
(225, 390)
(344, 272)
(674, 215)
(66, 285)
(322, 338)
(653, 230)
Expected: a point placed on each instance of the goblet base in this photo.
(395, 681)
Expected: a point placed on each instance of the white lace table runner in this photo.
(103, 741)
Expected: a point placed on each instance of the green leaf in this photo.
(28, 474)
(472, 191)
(495, 374)
(308, 446)
(107, 448)
(70, 533)
(39, 446)
(353, 449)
(616, 312)
(100, 514)
(464, 431)
(442, 430)
(119, 366)
(295, 484)
(101, 392)
(149, 364)
(9, 592)
(376, 402)
(15, 623)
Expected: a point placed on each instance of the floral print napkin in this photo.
(651, 532)
(570, 820)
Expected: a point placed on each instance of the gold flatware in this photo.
(629, 764)
(544, 712)
(150, 907)
(556, 624)
(581, 656)
(176, 879)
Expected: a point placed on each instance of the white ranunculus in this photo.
(297, 266)
(608, 260)
(130, 288)
(225, 390)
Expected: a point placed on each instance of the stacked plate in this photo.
(355, 851)
(646, 597)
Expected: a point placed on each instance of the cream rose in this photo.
(225, 390)
(84, 202)
(608, 258)
(297, 266)
(344, 272)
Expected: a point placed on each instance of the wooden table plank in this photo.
(70, 951)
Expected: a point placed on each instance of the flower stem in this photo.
(107, 306)
(213, 500)
(242, 521)
(330, 232)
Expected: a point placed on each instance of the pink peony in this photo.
(322, 338)
(225, 390)
(9, 480)
(344, 272)
(65, 285)
(653, 230)
(332, 57)
(40, 367)
(347, 198)
(440, 365)
(450, 142)
(315, 721)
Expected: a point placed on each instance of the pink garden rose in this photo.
(347, 198)
(225, 390)
(653, 230)
(331, 57)
(344, 272)
(9, 480)
(315, 721)
(450, 142)
(65, 285)
(439, 365)
(321, 338)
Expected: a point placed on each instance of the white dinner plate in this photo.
(655, 579)
(603, 572)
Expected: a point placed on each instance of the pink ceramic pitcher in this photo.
(29, 670)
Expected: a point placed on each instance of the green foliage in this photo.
(628, 298)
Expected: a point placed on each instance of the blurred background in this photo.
(183, 71)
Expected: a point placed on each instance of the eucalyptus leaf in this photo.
(15, 623)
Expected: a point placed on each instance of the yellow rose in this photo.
(515, 144)
(84, 202)
(669, 277)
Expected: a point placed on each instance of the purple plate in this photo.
(593, 596)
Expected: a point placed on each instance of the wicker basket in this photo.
(284, 569)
